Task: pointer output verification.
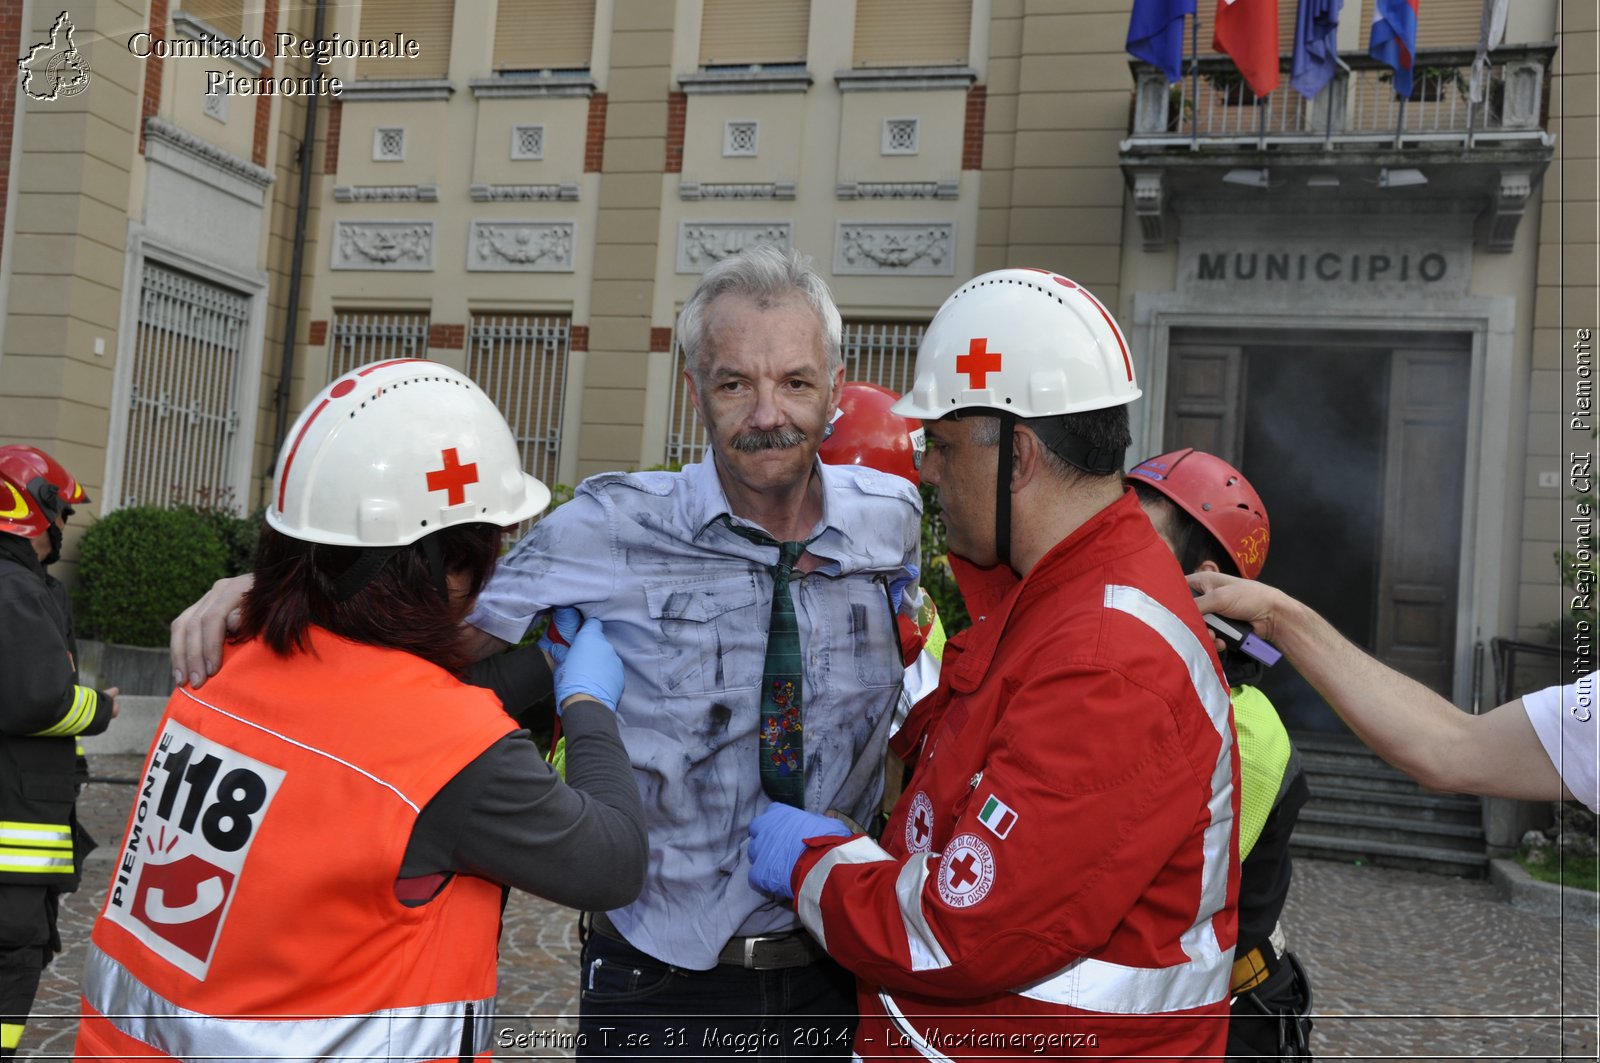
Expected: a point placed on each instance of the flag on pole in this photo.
(1247, 31)
(1491, 32)
(1316, 47)
(1394, 39)
(1155, 33)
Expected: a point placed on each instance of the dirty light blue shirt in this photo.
(686, 602)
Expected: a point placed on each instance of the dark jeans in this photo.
(633, 1006)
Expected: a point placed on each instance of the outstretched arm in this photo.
(1496, 754)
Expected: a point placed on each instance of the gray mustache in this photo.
(777, 439)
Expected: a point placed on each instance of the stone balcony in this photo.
(1355, 146)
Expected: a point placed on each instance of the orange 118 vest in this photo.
(252, 912)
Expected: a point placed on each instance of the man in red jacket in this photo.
(1059, 875)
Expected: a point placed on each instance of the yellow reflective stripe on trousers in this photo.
(84, 700)
(398, 1035)
(35, 835)
(34, 861)
(10, 1035)
(1114, 988)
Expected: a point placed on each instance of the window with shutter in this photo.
(1440, 24)
(543, 35)
(934, 33)
(428, 24)
(744, 32)
(225, 16)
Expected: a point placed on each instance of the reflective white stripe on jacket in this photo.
(397, 1035)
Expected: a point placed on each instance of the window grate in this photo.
(520, 362)
(183, 405)
(359, 337)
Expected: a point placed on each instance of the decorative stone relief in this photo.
(215, 106)
(181, 140)
(383, 245)
(700, 244)
(521, 247)
(386, 193)
(732, 190)
(904, 248)
(1505, 212)
(567, 192)
(1149, 203)
(946, 189)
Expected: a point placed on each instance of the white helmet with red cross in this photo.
(1021, 341)
(396, 450)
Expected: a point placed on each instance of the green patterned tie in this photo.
(782, 746)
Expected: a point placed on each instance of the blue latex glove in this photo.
(897, 588)
(591, 667)
(778, 838)
(564, 621)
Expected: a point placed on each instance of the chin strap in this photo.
(361, 572)
(1002, 492)
(372, 560)
(430, 550)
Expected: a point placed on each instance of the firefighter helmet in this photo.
(24, 464)
(395, 450)
(1216, 495)
(1021, 341)
(20, 513)
(867, 433)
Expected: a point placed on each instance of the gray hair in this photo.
(760, 272)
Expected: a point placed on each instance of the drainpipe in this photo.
(291, 316)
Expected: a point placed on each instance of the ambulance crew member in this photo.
(316, 861)
(43, 710)
(1058, 876)
(1213, 520)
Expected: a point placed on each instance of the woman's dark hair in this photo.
(400, 607)
(1191, 542)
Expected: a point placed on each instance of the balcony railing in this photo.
(1212, 106)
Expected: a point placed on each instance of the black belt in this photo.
(760, 952)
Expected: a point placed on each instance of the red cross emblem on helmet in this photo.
(453, 478)
(978, 363)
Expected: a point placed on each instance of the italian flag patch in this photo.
(997, 816)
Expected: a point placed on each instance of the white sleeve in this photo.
(1564, 719)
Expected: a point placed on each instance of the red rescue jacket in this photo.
(1059, 875)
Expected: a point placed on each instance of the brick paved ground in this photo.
(1405, 965)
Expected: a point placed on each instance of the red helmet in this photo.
(22, 463)
(866, 433)
(20, 512)
(1219, 497)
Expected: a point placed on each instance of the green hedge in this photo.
(142, 565)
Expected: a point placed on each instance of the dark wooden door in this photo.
(1358, 447)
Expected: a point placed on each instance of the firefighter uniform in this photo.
(43, 710)
(223, 900)
(1058, 876)
(1272, 996)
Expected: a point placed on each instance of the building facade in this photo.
(1368, 304)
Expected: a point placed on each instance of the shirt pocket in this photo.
(713, 633)
(874, 642)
